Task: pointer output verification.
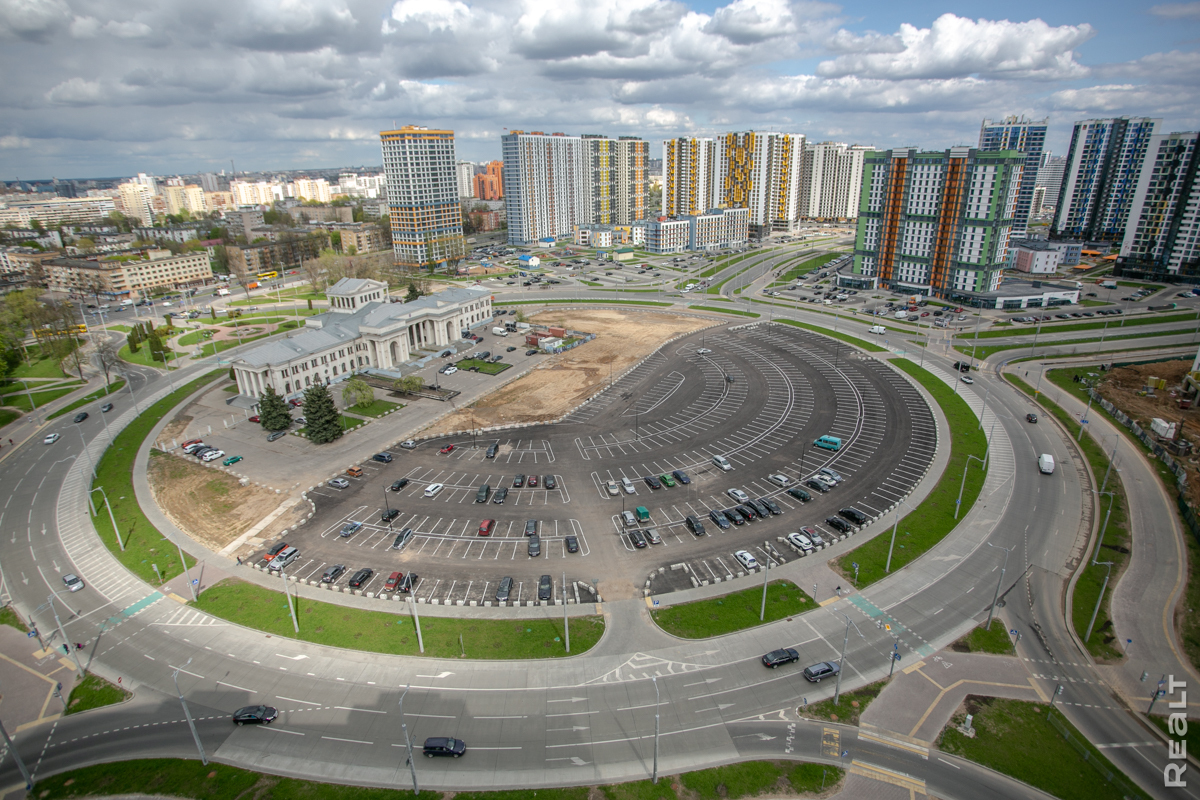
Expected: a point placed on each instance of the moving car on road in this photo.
(442, 746)
(72, 582)
(825, 669)
(775, 658)
(51, 439)
(255, 715)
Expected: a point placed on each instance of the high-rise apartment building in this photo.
(617, 179)
(208, 182)
(547, 184)
(1164, 223)
(1101, 177)
(1024, 136)
(489, 185)
(689, 176)
(936, 222)
(423, 197)
(1050, 178)
(464, 172)
(830, 179)
(135, 200)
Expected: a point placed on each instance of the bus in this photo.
(266, 276)
(42, 333)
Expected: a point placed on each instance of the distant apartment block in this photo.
(135, 200)
(936, 223)
(689, 175)
(55, 211)
(715, 229)
(1101, 177)
(546, 185)
(275, 256)
(1164, 224)
(489, 185)
(606, 236)
(1022, 135)
(125, 278)
(617, 178)
(1049, 180)
(830, 180)
(424, 204)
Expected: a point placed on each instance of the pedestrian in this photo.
(839, 591)
(78, 645)
(10, 441)
(239, 558)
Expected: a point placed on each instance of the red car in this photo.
(191, 442)
(924, 313)
(533, 479)
(295, 403)
(486, 527)
(393, 581)
(255, 418)
(447, 449)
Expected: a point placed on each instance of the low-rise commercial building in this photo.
(132, 279)
(1033, 256)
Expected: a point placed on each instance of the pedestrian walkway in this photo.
(29, 678)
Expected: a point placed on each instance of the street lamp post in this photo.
(412, 767)
(291, 608)
(963, 484)
(837, 692)
(32, 405)
(183, 561)
(895, 526)
(85, 450)
(1104, 527)
(17, 757)
(58, 622)
(654, 680)
(762, 613)
(187, 713)
(111, 518)
(417, 623)
(996, 595)
(1099, 600)
(1084, 419)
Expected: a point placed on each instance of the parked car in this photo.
(734, 516)
(447, 449)
(393, 581)
(333, 573)
(504, 589)
(610, 486)
(718, 517)
(535, 546)
(255, 715)
(775, 658)
(854, 515)
(276, 436)
(402, 538)
(400, 484)
(746, 559)
(637, 539)
(389, 515)
(829, 473)
(572, 543)
(500, 495)
(408, 444)
(432, 489)
(548, 482)
(349, 529)
(826, 480)
(799, 494)
(747, 511)
(545, 587)
(382, 458)
(667, 480)
(627, 485)
(738, 495)
(814, 535)
(532, 481)
(360, 578)
(681, 476)
(694, 524)
(229, 462)
(801, 541)
(486, 527)
(813, 483)
(781, 481)
(839, 524)
(652, 536)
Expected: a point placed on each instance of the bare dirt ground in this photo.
(623, 337)
(211, 506)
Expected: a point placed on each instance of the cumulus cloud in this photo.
(77, 92)
(1176, 10)
(127, 30)
(757, 21)
(13, 142)
(32, 19)
(956, 47)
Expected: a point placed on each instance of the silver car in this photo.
(72, 582)
(340, 483)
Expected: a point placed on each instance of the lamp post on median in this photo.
(187, 713)
(111, 519)
(892, 546)
(1104, 527)
(837, 692)
(963, 484)
(1099, 600)
(654, 680)
(1000, 580)
(412, 767)
(91, 463)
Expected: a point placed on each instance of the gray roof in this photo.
(349, 286)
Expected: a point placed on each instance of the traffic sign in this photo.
(31, 634)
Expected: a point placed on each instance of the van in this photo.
(722, 463)
(1046, 464)
(222, 292)
(286, 556)
(643, 515)
(499, 332)
(901, 314)
(481, 496)
(878, 329)
(126, 302)
(828, 443)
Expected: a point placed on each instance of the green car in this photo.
(231, 460)
(667, 480)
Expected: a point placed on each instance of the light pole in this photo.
(1084, 419)
(85, 451)
(996, 595)
(1099, 600)
(111, 518)
(132, 394)
(566, 622)
(74, 653)
(187, 713)
(654, 680)
(837, 692)
(412, 767)
(762, 612)
(1104, 527)
(1111, 459)
(963, 484)
(37, 420)
(187, 575)
(104, 416)
(895, 525)
(416, 622)
(17, 757)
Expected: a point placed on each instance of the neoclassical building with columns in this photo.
(363, 328)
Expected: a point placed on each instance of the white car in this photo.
(825, 479)
(433, 488)
(451, 370)
(212, 455)
(801, 541)
(408, 444)
(703, 351)
(51, 439)
(627, 485)
(781, 481)
(967, 379)
(745, 559)
(738, 495)
(612, 488)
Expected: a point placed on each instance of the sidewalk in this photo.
(29, 677)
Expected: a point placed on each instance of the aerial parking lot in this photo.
(705, 459)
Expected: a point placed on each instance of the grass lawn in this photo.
(737, 611)
(285, 296)
(983, 352)
(376, 409)
(10, 618)
(727, 311)
(113, 387)
(845, 337)
(921, 529)
(981, 640)
(142, 356)
(751, 778)
(392, 631)
(120, 328)
(850, 707)
(195, 337)
(1059, 327)
(144, 545)
(38, 367)
(1094, 303)
(21, 399)
(1013, 737)
(805, 268)
(8, 415)
(212, 348)
(486, 367)
(1116, 536)
(94, 692)
(1192, 737)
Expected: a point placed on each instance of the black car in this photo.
(509, 349)
(637, 539)
(1031, 417)
(530, 352)
(444, 746)
(498, 497)
(734, 516)
(776, 657)
(747, 511)
(962, 366)
(333, 573)
(407, 583)
(694, 524)
(799, 494)
(400, 484)
(504, 589)
(274, 549)
(535, 546)
(390, 514)
(839, 524)
(276, 435)
(531, 527)
(81, 416)
(813, 483)
(652, 482)
(492, 449)
(106, 408)
(361, 577)
(382, 458)
(681, 476)
(545, 588)
(854, 515)
(769, 505)
(548, 482)
(518, 482)
(572, 543)
(719, 518)
(402, 538)
(256, 715)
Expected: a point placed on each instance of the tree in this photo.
(335, 239)
(313, 270)
(324, 421)
(521, 317)
(134, 339)
(106, 354)
(238, 268)
(357, 392)
(156, 348)
(409, 384)
(272, 411)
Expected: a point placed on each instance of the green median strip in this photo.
(94, 692)
(997, 640)
(845, 337)
(168, 777)
(391, 630)
(737, 611)
(983, 352)
(144, 545)
(112, 388)
(726, 311)
(1068, 327)
(933, 518)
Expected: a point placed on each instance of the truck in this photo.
(222, 292)
(498, 331)
(878, 329)
(1046, 464)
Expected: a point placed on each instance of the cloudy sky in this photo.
(112, 87)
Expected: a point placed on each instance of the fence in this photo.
(1127, 789)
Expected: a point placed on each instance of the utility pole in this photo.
(1099, 599)
(417, 622)
(837, 692)
(412, 767)
(187, 713)
(17, 757)
(291, 608)
(111, 519)
(654, 680)
(1104, 527)
(74, 653)
(566, 622)
(762, 612)
(1000, 580)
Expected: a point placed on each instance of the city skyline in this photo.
(310, 83)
